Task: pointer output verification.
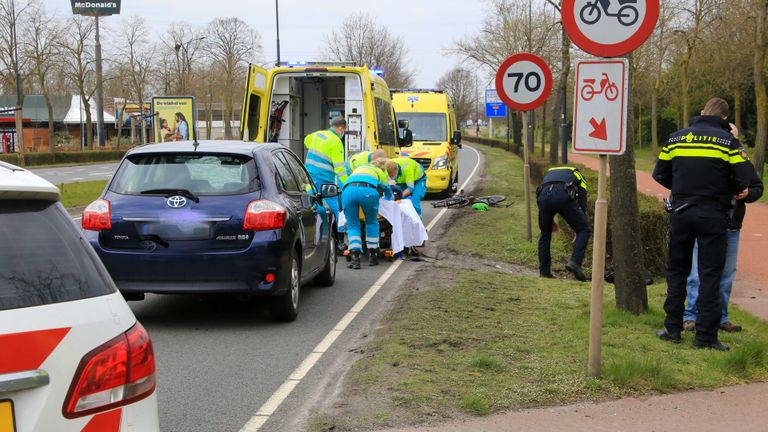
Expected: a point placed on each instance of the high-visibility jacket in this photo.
(373, 176)
(409, 172)
(325, 157)
(704, 161)
(357, 160)
(568, 176)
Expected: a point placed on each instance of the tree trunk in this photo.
(761, 98)
(655, 122)
(737, 102)
(51, 131)
(543, 129)
(88, 124)
(562, 89)
(684, 85)
(631, 292)
(517, 130)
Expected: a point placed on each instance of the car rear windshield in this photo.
(43, 257)
(426, 126)
(199, 173)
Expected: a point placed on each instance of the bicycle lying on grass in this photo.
(457, 201)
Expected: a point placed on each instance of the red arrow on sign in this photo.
(599, 130)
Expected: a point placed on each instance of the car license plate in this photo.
(7, 422)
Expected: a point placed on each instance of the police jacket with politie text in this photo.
(704, 162)
(570, 177)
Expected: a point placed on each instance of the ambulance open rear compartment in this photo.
(313, 99)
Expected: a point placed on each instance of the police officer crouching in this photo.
(704, 166)
(563, 191)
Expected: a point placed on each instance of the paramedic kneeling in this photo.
(563, 191)
(362, 191)
(409, 176)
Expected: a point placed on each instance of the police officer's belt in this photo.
(703, 201)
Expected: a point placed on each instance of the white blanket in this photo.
(407, 228)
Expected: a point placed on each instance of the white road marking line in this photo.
(100, 173)
(281, 394)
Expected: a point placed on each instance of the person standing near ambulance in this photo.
(365, 186)
(409, 176)
(325, 158)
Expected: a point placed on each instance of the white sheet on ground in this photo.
(407, 228)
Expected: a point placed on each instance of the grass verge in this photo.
(80, 194)
(462, 342)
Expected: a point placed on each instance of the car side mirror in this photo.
(456, 138)
(403, 124)
(329, 190)
(407, 139)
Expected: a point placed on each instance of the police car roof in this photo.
(18, 183)
(206, 146)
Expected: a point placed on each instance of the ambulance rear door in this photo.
(254, 117)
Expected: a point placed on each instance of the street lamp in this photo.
(277, 23)
(185, 68)
(19, 107)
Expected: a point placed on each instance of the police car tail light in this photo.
(117, 373)
(262, 215)
(97, 216)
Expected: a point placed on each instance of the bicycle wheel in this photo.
(492, 200)
(588, 92)
(590, 13)
(627, 15)
(611, 92)
(452, 202)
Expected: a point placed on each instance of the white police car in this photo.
(72, 355)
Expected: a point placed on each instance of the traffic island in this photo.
(462, 342)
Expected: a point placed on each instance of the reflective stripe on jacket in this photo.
(409, 173)
(325, 155)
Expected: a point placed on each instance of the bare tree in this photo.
(78, 61)
(43, 48)
(137, 55)
(184, 43)
(229, 44)
(459, 84)
(362, 40)
(760, 71)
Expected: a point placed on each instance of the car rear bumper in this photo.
(183, 271)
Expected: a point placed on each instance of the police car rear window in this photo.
(199, 173)
(43, 257)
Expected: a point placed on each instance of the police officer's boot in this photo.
(355, 262)
(373, 257)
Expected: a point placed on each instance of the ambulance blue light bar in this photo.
(379, 72)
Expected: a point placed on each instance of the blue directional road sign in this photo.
(494, 107)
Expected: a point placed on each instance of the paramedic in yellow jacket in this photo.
(325, 158)
(364, 158)
(409, 177)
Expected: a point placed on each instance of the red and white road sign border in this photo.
(609, 50)
(547, 77)
(622, 92)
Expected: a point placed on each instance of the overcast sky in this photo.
(427, 27)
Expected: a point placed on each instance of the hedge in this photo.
(44, 158)
(654, 221)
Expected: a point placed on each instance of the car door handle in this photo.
(26, 380)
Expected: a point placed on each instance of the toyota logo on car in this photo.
(176, 201)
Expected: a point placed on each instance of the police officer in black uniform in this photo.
(563, 191)
(704, 166)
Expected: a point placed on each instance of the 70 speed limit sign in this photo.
(524, 81)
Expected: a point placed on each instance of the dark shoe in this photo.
(689, 325)
(373, 257)
(730, 327)
(354, 263)
(547, 275)
(716, 345)
(576, 270)
(666, 336)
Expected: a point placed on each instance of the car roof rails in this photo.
(317, 63)
(416, 90)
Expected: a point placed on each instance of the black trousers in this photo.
(553, 200)
(708, 226)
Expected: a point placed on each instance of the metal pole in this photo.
(19, 106)
(99, 91)
(564, 124)
(598, 271)
(277, 23)
(527, 174)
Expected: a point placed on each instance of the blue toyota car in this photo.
(215, 217)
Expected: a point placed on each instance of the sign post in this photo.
(97, 9)
(524, 82)
(600, 112)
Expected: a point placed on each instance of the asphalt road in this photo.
(220, 360)
(79, 173)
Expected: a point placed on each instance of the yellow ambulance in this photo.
(294, 99)
(436, 140)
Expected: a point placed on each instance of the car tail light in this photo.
(264, 215)
(117, 373)
(97, 216)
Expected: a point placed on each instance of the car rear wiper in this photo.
(171, 192)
